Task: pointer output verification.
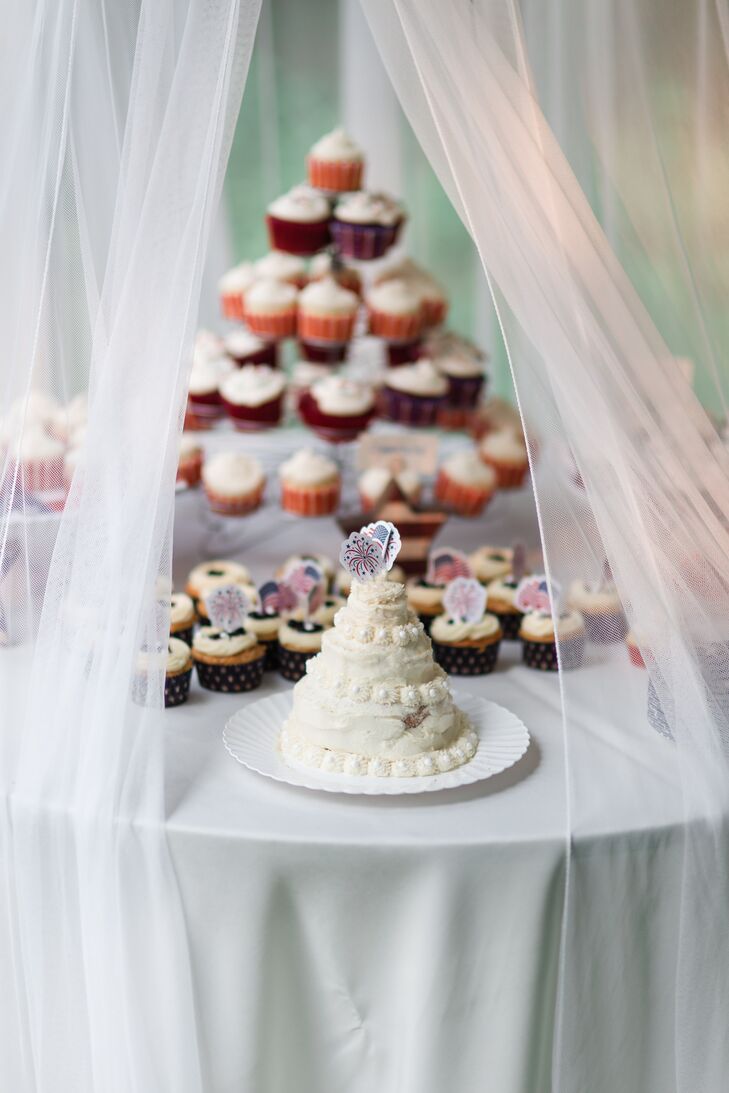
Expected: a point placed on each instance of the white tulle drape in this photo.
(628, 467)
(114, 149)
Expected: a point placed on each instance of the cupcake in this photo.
(539, 640)
(376, 481)
(501, 603)
(39, 460)
(203, 395)
(228, 662)
(335, 163)
(298, 222)
(266, 625)
(182, 617)
(599, 604)
(310, 484)
(337, 409)
(189, 463)
(234, 483)
(270, 309)
(244, 347)
(253, 397)
(327, 312)
(394, 311)
(488, 563)
(413, 394)
(298, 641)
(232, 288)
(465, 376)
(329, 264)
(321, 561)
(433, 299)
(466, 648)
(634, 651)
(67, 422)
(505, 452)
(304, 375)
(365, 225)
(277, 265)
(465, 484)
(178, 671)
(209, 576)
(426, 599)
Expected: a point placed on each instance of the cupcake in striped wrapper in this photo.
(327, 312)
(335, 163)
(270, 309)
(466, 638)
(234, 483)
(232, 288)
(432, 295)
(299, 641)
(505, 452)
(310, 484)
(465, 484)
(394, 311)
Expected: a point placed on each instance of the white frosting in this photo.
(238, 279)
(326, 297)
(207, 344)
(374, 481)
(181, 609)
(342, 397)
(422, 595)
(421, 378)
(337, 145)
(232, 473)
(215, 643)
(35, 446)
(214, 574)
(266, 628)
(501, 592)
(446, 343)
(277, 265)
(301, 204)
(321, 265)
(459, 366)
(271, 297)
(594, 598)
(178, 655)
(444, 629)
(309, 468)
(490, 562)
(303, 641)
(538, 626)
(418, 278)
(306, 373)
(206, 374)
(466, 467)
(253, 386)
(395, 297)
(505, 446)
(241, 343)
(374, 691)
(368, 208)
(189, 447)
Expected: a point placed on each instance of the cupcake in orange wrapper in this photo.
(433, 298)
(39, 460)
(505, 452)
(310, 484)
(394, 311)
(327, 312)
(277, 265)
(337, 409)
(189, 465)
(465, 484)
(232, 288)
(298, 222)
(365, 225)
(375, 481)
(328, 264)
(253, 397)
(270, 309)
(234, 483)
(335, 163)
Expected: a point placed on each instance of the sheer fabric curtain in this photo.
(114, 142)
(627, 468)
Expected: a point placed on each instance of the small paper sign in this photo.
(535, 594)
(306, 582)
(362, 556)
(277, 597)
(396, 451)
(388, 537)
(445, 565)
(227, 608)
(465, 599)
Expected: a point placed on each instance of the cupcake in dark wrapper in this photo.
(365, 225)
(265, 626)
(501, 596)
(599, 604)
(299, 641)
(539, 640)
(178, 672)
(182, 617)
(229, 662)
(413, 394)
(466, 648)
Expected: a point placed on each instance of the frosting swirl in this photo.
(216, 643)
(539, 626)
(230, 473)
(326, 297)
(465, 466)
(368, 208)
(337, 145)
(338, 396)
(253, 386)
(277, 265)
(448, 630)
(271, 297)
(396, 297)
(238, 279)
(300, 204)
(421, 379)
(309, 468)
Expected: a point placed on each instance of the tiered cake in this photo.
(374, 701)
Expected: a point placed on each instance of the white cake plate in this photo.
(251, 737)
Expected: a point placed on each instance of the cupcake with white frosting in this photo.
(182, 616)
(70, 419)
(38, 457)
(270, 309)
(491, 562)
(327, 312)
(229, 662)
(298, 641)
(234, 483)
(298, 221)
(365, 225)
(232, 288)
(501, 602)
(376, 481)
(395, 311)
(464, 372)
(310, 484)
(277, 265)
(190, 460)
(540, 633)
(244, 347)
(253, 397)
(303, 376)
(176, 661)
(211, 575)
(337, 409)
(505, 451)
(413, 394)
(599, 604)
(466, 648)
(433, 298)
(335, 163)
(464, 483)
(203, 393)
(328, 263)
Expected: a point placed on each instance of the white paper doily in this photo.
(251, 737)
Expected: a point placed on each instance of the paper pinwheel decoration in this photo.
(535, 594)
(445, 565)
(227, 608)
(465, 599)
(387, 536)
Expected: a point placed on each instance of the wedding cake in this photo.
(373, 701)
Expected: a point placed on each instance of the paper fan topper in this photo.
(371, 551)
(277, 597)
(465, 599)
(388, 537)
(307, 583)
(227, 608)
(445, 564)
(536, 594)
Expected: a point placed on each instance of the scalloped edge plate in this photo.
(251, 737)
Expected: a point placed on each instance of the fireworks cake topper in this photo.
(465, 599)
(227, 608)
(370, 551)
(277, 598)
(537, 594)
(445, 564)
